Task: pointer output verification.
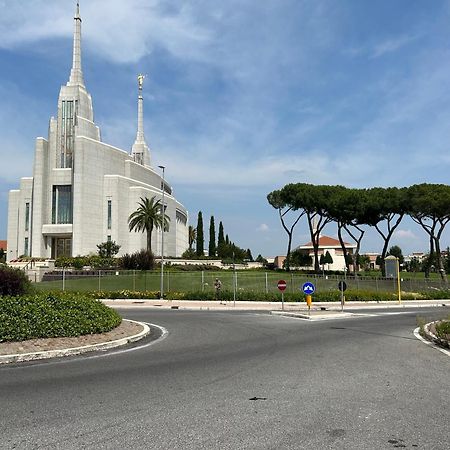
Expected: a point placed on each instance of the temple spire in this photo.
(140, 151)
(76, 74)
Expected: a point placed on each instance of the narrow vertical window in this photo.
(62, 204)
(108, 238)
(25, 250)
(109, 214)
(27, 216)
(69, 110)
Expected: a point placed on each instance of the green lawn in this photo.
(245, 280)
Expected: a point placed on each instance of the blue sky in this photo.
(243, 97)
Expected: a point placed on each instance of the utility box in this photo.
(391, 267)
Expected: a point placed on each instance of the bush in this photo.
(13, 282)
(54, 315)
(443, 329)
(142, 260)
(78, 262)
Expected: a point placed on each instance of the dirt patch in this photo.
(125, 329)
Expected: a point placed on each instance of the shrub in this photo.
(63, 261)
(53, 315)
(142, 260)
(443, 329)
(13, 282)
(78, 262)
(108, 249)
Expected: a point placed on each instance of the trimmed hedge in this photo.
(54, 315)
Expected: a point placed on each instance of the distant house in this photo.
(279, 261)
(333, 247)
(373, 260)
(3, 245)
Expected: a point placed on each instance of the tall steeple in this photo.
(76, 74)
(140, 151)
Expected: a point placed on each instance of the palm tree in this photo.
(192, 233)
(148, 216)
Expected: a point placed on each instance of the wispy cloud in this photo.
(392, 45)
(263, 228)
(121, 31)
(405, 234)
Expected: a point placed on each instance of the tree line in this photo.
(354, 210)
(222, 248)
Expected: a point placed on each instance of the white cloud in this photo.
(264, 228)
(121, 31)
(405, 234)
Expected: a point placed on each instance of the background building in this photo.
(333, 247)
(82, 190)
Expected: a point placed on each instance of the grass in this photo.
(261, 282)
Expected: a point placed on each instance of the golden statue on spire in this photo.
(141, 79)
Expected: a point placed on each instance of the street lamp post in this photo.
(162, 234)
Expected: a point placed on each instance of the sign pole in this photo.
(342, 286)
(398, 283)
(282, 286)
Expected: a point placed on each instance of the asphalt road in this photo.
(222, 380)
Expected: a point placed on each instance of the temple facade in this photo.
(83, 190)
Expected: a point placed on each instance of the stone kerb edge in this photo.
(6, 359)
(432, 337)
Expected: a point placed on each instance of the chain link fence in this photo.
(111, 280)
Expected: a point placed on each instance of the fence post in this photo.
(99, 276)
(376, 284)
(267, 287)
(168, 280)
(64, 279)
(134, 280)
(203, 281)
(292, 283)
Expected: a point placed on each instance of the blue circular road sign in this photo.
(308, 288)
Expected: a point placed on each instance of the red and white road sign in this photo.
(281, 285)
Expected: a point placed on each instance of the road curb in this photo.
(430, 343)
(313, 317)
(432, 337)
(22, 357)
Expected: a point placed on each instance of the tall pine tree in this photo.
(200, 246)
(212, 238)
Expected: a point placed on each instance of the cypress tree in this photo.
(212, 238)
(199, 248)
(220, 241)
(221, 236)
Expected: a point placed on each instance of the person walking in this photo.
(217, 288)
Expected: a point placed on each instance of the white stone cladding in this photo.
(74, 159)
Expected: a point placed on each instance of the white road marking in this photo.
(432, 344)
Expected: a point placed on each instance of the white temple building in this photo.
(82, 190)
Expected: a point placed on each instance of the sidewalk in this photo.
(319, 310)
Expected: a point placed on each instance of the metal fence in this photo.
(108, 280)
